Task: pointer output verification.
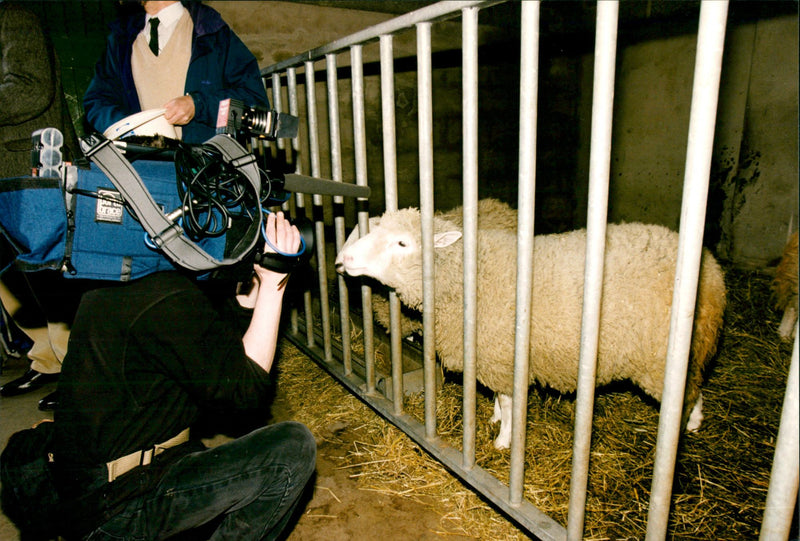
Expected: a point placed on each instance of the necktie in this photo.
(154, 36)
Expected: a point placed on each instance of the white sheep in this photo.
(492, 214)
(784, 288)
(637, 295)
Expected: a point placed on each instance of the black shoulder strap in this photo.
(166, 234)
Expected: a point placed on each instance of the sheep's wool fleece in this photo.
(492, 214)
(635, 312)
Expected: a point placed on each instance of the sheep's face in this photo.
(389, 253)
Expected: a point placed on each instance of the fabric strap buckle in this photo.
(143, 457)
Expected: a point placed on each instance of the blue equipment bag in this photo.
(103, 225)
(116, 220)
(33, 220)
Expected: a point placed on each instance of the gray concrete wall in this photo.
(753, 199)
(761, 191)
(275, 31)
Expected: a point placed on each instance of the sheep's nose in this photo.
(339, 263)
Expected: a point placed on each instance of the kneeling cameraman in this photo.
(144, 359)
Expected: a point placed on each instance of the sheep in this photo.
(492, 213)
(784, 289)
(637, 295)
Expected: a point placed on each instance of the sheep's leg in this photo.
(496, 416)
(696, 417)
(502, 411)
(786, 329)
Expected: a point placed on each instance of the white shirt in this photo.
(167, 20)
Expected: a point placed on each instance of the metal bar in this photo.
(338, 202)
(529, 71)
(469, 111)
(783, 481)
(276, 84)
(277, 103)
(388, 122)
(390, 193)
(425, 113)
(708, 65)
(319, 224)
(360, 147)
(438, 11)
(294, 109)
(599, 168)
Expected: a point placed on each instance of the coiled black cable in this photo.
(212, 192)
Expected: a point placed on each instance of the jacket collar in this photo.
(205, 19)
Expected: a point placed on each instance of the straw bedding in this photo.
(722, 474)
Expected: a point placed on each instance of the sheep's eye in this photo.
(402, 243)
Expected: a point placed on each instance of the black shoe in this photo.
(30, 381)
(49, 402)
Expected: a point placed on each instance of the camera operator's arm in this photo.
(261, 337)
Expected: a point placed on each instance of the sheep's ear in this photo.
(441, 240)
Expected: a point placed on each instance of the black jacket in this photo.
(144, 360)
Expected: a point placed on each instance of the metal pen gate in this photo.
(312, 328)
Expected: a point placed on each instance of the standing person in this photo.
(42, 304)
(143, 376)
(185, 60)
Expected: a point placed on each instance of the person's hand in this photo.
(286, 238)
(179, 111)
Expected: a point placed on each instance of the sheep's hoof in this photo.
(500, 444)
(696, 417)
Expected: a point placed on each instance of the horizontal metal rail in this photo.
(435, 12)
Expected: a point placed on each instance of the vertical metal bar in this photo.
(425, 112)
(390, 192)
(529, 71)
(469, 111)
(277, 102)
(783, 481)
(294, 109)
(278, 105)
(319, 224)
(360, 147)
(338, 204)
(599, 167)
(708, 64)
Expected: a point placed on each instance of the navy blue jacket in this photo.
(221, 66)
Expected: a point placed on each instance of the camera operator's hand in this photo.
(286, 238)
(261, 337)
(179, 111)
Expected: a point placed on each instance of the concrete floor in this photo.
(17, 413)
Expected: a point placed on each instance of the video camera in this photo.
(209, 202)
(238, 120)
